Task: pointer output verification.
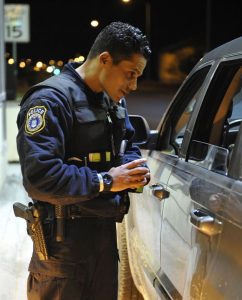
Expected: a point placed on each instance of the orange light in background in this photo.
(36, 69)
(22, 64)
(60, 63)
(11, 61)
(81, 58)
(39, 64)
(44, 66)
(126, 1)
(51, 62)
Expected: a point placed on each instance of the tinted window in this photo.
(173, 130)
(220, 114)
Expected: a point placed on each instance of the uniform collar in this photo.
(69, 69)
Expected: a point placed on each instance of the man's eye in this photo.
(130, 75)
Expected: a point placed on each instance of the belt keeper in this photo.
(94, 157)
(98, 157)
(108, 156)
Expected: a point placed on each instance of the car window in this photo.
(180, 126)
(174, 127)
(220, 115)
(237, 104)
(209, 156)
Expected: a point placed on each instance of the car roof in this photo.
(233, 47)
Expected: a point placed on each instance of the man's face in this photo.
(119, 80)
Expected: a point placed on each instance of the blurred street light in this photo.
(94, 23)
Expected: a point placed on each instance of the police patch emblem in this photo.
(35, 121)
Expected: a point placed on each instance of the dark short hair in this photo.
(121, 40)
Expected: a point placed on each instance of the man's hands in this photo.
(129, 176)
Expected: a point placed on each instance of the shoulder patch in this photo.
(35, 120)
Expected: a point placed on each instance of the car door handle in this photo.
(159, 191)
(205, 223)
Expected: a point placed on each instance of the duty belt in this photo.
(75, 211)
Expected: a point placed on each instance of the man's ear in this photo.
(105, 58)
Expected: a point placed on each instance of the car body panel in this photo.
(188, 244)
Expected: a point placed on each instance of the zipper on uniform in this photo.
(110, 122)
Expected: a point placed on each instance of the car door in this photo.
(144, 227)
(195, 228)
(161, 163)
(145, 215)
(172, 129)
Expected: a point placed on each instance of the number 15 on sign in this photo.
(16, 17)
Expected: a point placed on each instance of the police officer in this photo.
(71, 129)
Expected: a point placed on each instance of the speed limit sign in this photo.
(16, 21)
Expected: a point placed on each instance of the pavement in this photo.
(16, 245)
(148, 85)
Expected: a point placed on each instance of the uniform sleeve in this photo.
(44, 125)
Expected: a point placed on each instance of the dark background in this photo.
(61, 29)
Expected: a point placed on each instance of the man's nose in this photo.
(133, 84)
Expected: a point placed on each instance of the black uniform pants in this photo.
(82, 267)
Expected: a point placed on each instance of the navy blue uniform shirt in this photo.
(46, 121)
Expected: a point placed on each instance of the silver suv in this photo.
(182, 238)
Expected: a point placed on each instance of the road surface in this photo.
(149, 104)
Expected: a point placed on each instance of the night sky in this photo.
(61, 29)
